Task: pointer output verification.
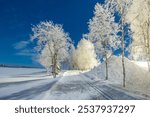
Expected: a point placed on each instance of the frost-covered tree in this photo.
(103, 32)
(68, 63)
(139, 19)
(44, 59)
(84, 57)
(121, 7)
(52, 43)
(70, 58)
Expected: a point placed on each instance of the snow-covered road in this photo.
(68, 87)
(81, 87)
(26, 92)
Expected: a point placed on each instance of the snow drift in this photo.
(137, 78)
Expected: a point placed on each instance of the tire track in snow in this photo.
(107, 97)
(100, 92)
(109, 92)
(29, 93)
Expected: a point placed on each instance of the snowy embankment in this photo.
(20, 74)
(142, 64)
(137, 77)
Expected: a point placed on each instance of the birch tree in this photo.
(139, 19)
(121, 7)
(51, 37)
(103, 32)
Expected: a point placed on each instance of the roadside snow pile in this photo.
(137, 78)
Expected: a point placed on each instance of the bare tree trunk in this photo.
(123, 67)
(54, 66)
(122, 41)
(106, 62)
(148, 66)
(53, 70)
(148, 39)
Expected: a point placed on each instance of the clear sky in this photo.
(18, 16)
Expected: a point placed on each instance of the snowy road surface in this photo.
(67, 87)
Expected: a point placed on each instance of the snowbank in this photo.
(137, 78)
(142, 64)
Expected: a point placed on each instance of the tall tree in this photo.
(51, 37)
(139, 19)
(121, 6)
(103, 32)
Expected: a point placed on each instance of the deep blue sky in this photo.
(18, 16)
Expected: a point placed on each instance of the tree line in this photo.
(112, 23)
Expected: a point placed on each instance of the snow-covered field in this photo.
(13, 72)
(28, 83)
(20, 74)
